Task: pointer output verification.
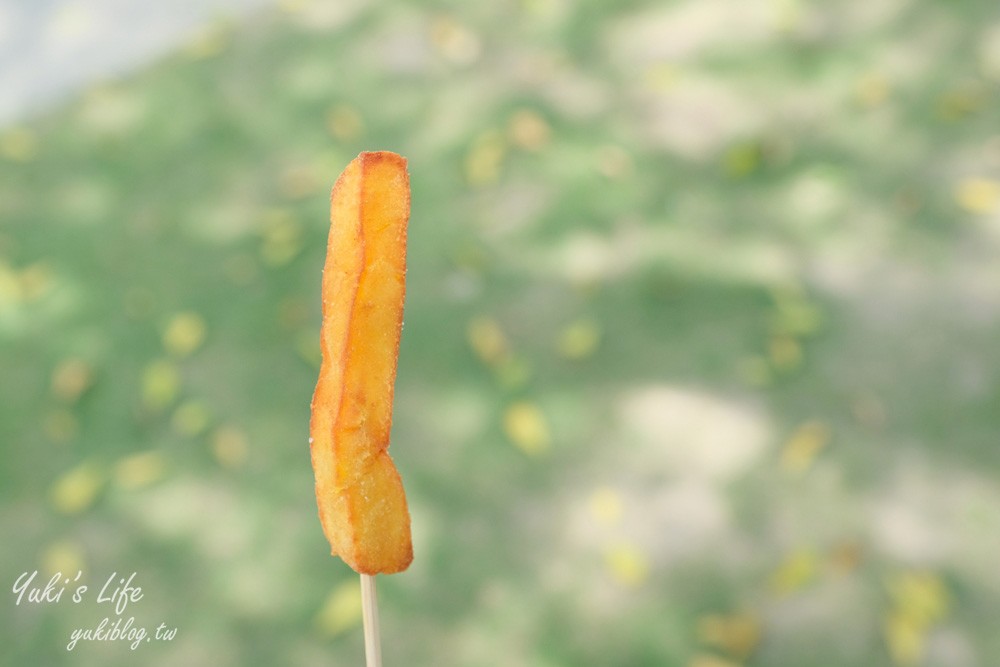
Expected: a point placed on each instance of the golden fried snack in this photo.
(362, 505)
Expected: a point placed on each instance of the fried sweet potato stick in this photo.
(362, 506)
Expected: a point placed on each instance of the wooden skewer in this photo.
(369, 616)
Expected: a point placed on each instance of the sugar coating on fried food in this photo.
(362, 505)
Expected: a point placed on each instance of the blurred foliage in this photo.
(698, 365)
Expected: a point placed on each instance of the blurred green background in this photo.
(699, 364)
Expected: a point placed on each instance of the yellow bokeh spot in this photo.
(18, 144)
(70, 379)
(36, 281)
(63, 556)
(905, 639)
(341, 610)
(785, 352)
(957, 104)
(487, 340)
(627, 564)
(10, 286)
(139, 470)
(921, 596)
(741, 160)
(345, 122)
(229, 446)
(579, 339)
(485, 159)
(77, 489)
(978, 195)
(528, 130)
(161, 382)
(606, 506)
(191, 419)
(454, 41)
(26, 285)
(918, 601)
(736, 634)
(527, 428)
(208, 42)
(184, 334)
(804, 445)
(797, 571)
(872, 90)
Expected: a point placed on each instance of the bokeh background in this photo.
(699, 364)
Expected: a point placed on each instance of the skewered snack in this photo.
(362, 505)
